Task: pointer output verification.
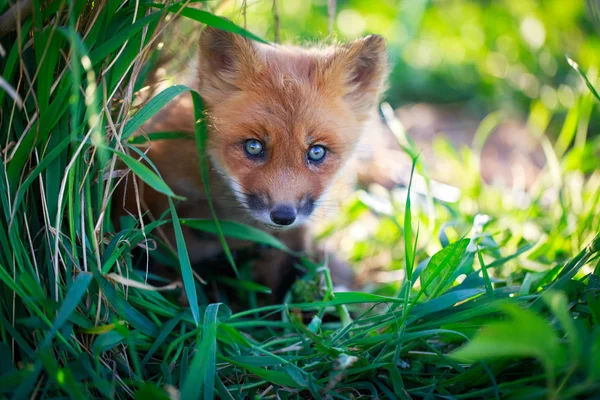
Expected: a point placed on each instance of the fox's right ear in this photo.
(226, 61)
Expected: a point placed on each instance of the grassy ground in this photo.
(496, 293)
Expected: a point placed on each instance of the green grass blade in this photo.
(70, 302)
(211, 20)
(186, 268)
(151, 108)
(236, 230)
(209, 335)
(536, 339)
(486, 277)
(118, 38)
(435, 277)
(201, 133)
(409, 248)
(575, 66)
(165, 331)
(134, 317)
(148, 176)
(159, 136)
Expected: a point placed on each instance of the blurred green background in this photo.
(486, 55)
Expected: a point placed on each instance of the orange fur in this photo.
(288, 98)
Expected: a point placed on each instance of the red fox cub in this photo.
(282, 122)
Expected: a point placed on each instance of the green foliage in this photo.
(511, 276)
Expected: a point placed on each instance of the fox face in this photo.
(284, 120)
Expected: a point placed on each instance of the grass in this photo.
(499, 295)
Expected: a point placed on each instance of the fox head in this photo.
(284, 120)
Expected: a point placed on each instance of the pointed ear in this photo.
(360, 67)
(226, 61)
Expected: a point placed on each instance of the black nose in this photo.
(283, 215)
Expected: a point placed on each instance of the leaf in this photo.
(444, 302)
(525, 334)
(559, 304)
(201, 133)
(150, 137)
(150, 391)
(186, 268)
(151, 108)
(5, 362)
(183, 364)
(486, 277)
(585, 78)
(409, 248)
(341, 298)
(107, 341)
(435, 277)
(211, 20)
(209, 336)
(118, 38)
(246, 285)
(165, 331)
(594, 360)
(278, 378)
(260, 361)
(62, 376)
(204, 362)
(72, 299)
(99, 330)
(237, 231)
(134, 317)
(20, 341)
(148, 176)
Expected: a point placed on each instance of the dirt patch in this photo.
(511, 154)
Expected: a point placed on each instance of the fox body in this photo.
(282, 123)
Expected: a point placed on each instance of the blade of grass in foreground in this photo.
(62, 376)
(436, 276)
(186, 267)
(575, 66)
(130, 314)
(165, 331)
(202, 372)
(210, 19)
(238, 231)
(209, 336)
(408, 237)
(148, 176)
(150, 137)
(151, 108)
(74, 295)
(201, 138)
(536, 339)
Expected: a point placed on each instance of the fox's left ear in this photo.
(361, 68)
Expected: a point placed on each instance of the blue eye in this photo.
(316, 154)
(254, 148)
